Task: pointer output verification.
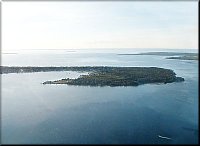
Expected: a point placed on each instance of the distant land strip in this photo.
(173, 55)
(10, 53)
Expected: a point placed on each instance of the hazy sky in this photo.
(75, 25)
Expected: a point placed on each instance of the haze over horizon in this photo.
(87, 25)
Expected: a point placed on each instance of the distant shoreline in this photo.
(173, 55)
(10, 53)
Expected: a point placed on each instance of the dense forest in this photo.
(105, 76)
(122, 76)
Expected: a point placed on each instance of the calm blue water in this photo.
(33, 113)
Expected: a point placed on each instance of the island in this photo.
(105, 76)
(173, 55)
(185, 57)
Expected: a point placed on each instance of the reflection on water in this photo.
(35, 113)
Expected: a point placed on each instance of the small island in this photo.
(185, 57)
(122, 76)
(173, 55)
(105, 76)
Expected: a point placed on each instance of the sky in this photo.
(81, 25)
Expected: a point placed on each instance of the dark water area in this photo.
(33, 113)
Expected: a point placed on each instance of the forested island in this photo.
(122, 76)
(173, 55)
(105, 76)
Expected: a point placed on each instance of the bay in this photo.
(33, 113)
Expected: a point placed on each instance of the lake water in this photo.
(33, 113)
